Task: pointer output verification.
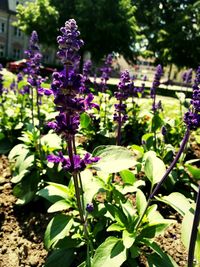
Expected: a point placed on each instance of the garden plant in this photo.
(110, 172)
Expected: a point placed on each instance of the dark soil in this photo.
(22, 229)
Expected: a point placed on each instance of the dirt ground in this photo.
(22, 229)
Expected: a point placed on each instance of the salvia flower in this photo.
(79, 163)
(69, 43)
(33, 58)
(124, 87)
(192, 116)
(1, 80)
(67, 85)
(156, 81)
(155, 85)
(105, 72)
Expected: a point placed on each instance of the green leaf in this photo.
(161, 259)
(51, 140)
(116, 213)
(16, 151)
(193, 170)
(128, 238)
(115, 227)
(148, 140)
(59, 205)
(153, 229)
(85, 120)
(186, 228)
(113, 159)
(27, 163)
(17, 178)
(91, 185)
(60, 258)
(135, 251)
(127, 176)
(110, 253)
(157, 122)
(154, 169)
(54, 192)
(140, 202)
(57, 229)
(177, 201)
(138, 150)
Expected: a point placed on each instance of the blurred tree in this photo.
(170, 30)
(105, 25)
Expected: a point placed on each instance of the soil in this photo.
(22, 230)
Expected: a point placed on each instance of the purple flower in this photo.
(89, 207)
(156, 81)
(105, 72)
(87, 68)
(1, 80)
(69, 43)
(192, 117)
(79, 164)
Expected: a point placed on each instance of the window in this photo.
(2, 27)
(16, 53)
(17, 32)
(2, 50)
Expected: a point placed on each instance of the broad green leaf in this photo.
(154, 169)
(128, 238)
(51, 140)
(25, 198)
(59, 205)
(91, 185)
(57, 229)
(116, 213)
(16, 151)
(153, 229)
(140, 202)
(113, 159)
(177, 201)
(115, 227)
(128, 177)
(60, 258)
(138, 150)
(153, 215)
(110, 253)
(129, 188)
(27, 163)
(162, 259)
(17, 178)
(186, 228)
(54, 192)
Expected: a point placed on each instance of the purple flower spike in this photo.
(192, 117)
(69, 43)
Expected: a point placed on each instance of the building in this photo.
(13, 42)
